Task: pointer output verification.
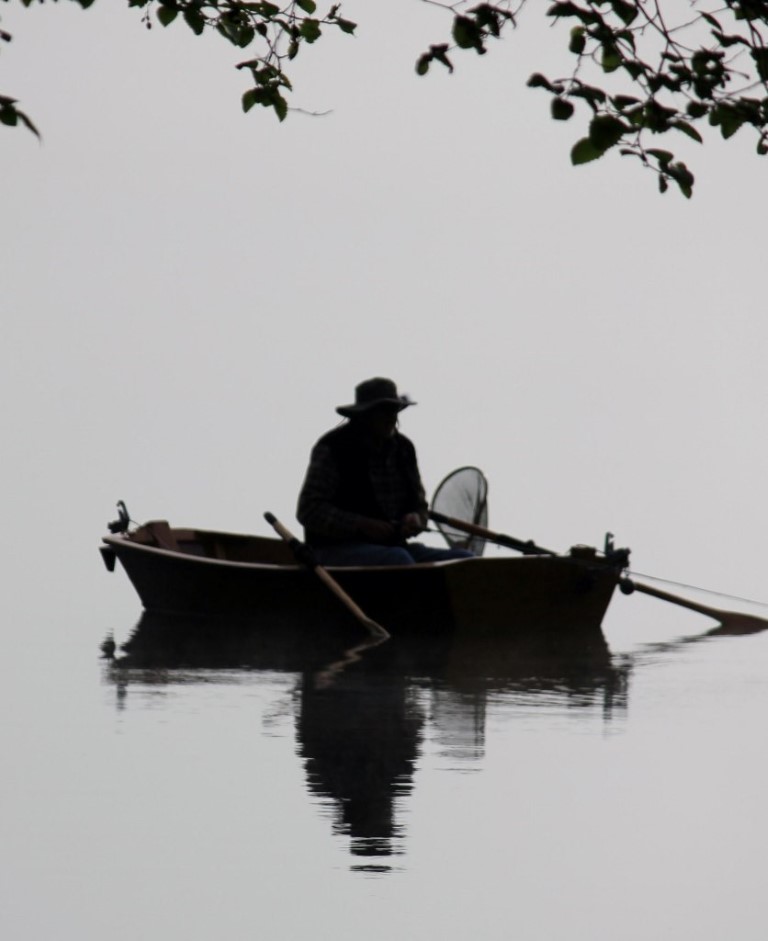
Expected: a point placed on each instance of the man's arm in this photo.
(317, 510)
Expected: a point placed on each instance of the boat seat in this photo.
(162, 535)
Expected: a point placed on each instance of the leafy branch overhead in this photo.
(277, 33)
(639, 69)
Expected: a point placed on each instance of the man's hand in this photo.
(411, 524)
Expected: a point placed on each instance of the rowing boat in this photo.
(202, 572)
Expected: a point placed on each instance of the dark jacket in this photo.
(348, 479)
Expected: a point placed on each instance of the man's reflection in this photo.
(360, 738)
(363, 706)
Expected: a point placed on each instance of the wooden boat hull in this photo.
(205, 573)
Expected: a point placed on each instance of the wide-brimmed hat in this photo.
(374, 392)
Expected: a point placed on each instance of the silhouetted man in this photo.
(362, 497)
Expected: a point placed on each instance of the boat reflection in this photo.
(363, 708)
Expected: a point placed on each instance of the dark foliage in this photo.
(639, 69)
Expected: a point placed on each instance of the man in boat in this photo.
(362, 499)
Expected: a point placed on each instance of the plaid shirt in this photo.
(318, 508)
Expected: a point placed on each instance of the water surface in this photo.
(440, 789)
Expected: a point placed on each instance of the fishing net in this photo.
(463, 495)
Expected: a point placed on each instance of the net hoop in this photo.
(463, 495)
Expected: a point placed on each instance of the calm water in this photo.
(282, 790)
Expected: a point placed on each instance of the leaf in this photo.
(727, 119)
(9, 115)
(624, 101)
(635, 115)
(561, 109)
(308, 6)
(762, 147)
(467, 34)
(635, 69)
(760, 57)
(422, 64)
(663, 156)
(195, 20)
(688, 129)
(683, 177)
(30, 126)
(627, 36)
(584, 151)
(589, 93)
(663, 184)
(280, 105)
(696, 109)
(657, 118)
(346, 26)
(245, 36)
(537, 80)
(491, 18)
(578, 40)
(730, 125)
(310, 30)
(625, 11)
(564, 9)
(440, 53)
(605, 131)
(250, 98)
(611, 59)
(726, 41)
(751, 109)
(167, 15)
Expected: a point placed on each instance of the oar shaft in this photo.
(715, 613)
(298, 548)
(305, 556)
(527, 547)
(327, 579)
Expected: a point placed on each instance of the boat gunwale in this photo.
(124, 541)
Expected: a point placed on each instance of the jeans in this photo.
(368, 553)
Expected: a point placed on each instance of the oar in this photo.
(732, 621)
(305, 556)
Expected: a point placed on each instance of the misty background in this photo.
(188, 292)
